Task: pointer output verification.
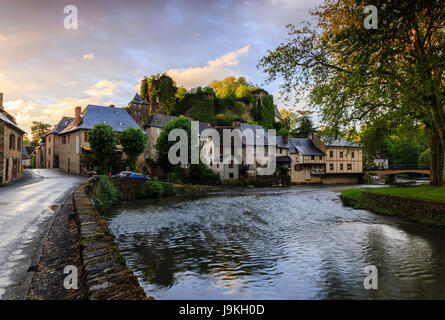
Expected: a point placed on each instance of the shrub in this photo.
(156, 189)
(169, 189)
(283, 132)
(106, 192)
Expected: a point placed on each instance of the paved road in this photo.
(26, 208)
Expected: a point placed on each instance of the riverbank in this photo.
(421, 204)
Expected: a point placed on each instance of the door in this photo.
(14, 169)
(68, 165)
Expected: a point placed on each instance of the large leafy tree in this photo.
(163, 145)
(392, 76)
(133, 143)
(102, 140)
(160, 89)
(38, 130)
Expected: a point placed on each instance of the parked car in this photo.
(139, 176)
(123, 174)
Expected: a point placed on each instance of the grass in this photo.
(420, 192)
(353, 198)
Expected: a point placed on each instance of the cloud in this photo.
(3, 38)
(102, 88)
(214, 69)
(89, 56)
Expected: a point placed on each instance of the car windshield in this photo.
(138, 174)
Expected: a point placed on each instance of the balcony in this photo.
(316, 171)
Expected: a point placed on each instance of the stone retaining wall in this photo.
(107, 276)
(433, 210)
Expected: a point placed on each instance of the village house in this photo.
(27, 154)
(74, 150)
(53, 141)
(11, 142)
(153, 127)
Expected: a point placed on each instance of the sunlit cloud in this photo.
(89, 56)
(102, 88)
(214, 69)
(3, 38)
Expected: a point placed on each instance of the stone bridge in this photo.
(390, 174)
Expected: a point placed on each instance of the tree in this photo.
(305, 126)
(38, 130)
(160, 90)
(231, 87)
(133, 143)
(163, 145)
(356, 76)
(102, 140)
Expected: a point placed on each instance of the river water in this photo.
(275, 243)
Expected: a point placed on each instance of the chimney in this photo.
(1, 99)
(286, 138)
(77, 112)
(111, 105)
(316, 140)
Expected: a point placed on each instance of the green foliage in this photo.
(424, 158)
(175, 175)
(160, 90)
(156, 189)
(200, 173)
(238, 109)
(267, 112)
(305, 126)
(222, 120)
(203, 110)
(163, 145)
(144, 89)
(106, 192)
(102, 140)
(133, 143)
(169, 189)
(282, 132)
(33, 162)
(38, 130)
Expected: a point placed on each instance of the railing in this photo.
(400, 167)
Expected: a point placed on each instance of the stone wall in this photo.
(431, 210)
(107, 276)
(14, 156)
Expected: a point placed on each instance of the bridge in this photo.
(391, 172)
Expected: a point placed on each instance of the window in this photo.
(331, 166)
(19, 143)
(49, 139)
(341, 154)
(331, 154)
(231, 164)
(49, 151)
(321, 158)
(297, 167)
(69, 138)
(341, 166)
(85, 136)
(352, 154)
(312, 157)
(12, 141)
(231, 175)
(349, 166)
(64, 140)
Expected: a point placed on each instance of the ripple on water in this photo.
(275, 243)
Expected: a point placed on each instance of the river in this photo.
(275, 243)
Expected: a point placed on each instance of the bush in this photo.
(169, 189)
(156, 189)
(283, 132)
(200, 173)
(106, 192)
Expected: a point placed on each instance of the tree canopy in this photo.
(391, 77)
(133, 143)
(102, 140)
(38, 130)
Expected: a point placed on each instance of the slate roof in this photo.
(277, 113)
(158, 120)
(9, 122)
(304, 146)
(118, 118)
(138, 99)
(63, 123)
(280, 143)
(340, 142)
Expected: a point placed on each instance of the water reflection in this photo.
(290, 243)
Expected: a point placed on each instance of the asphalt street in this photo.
(26, 208)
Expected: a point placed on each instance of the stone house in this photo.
(139, 110)
(74, 151)
(154, 124)
(53, 141)
(11, 147)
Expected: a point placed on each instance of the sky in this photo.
(47, 70)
